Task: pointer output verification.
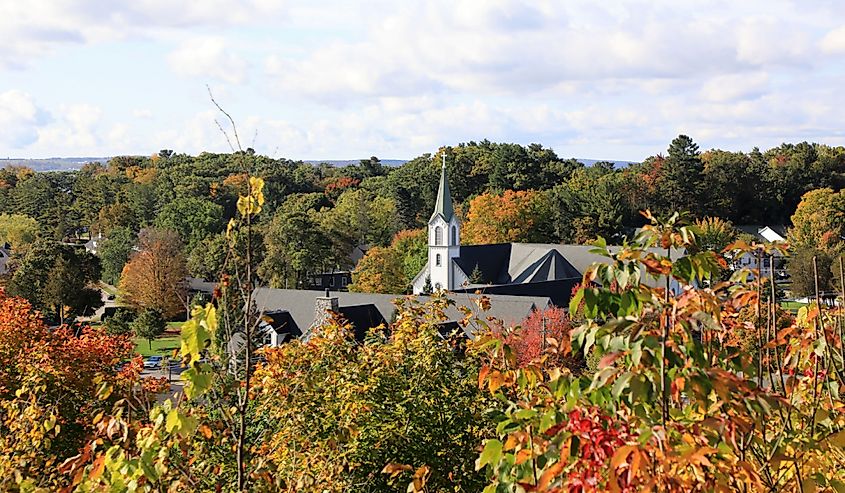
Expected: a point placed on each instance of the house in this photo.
(336, 280)
(92, 245)
(292, 313)
(763, 234)
(5, 256)
(514, 269)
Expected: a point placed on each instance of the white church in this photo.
(517, 269)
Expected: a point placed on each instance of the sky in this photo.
(343, 79)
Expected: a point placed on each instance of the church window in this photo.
(454, 235)
(438, 235)
(437, 260)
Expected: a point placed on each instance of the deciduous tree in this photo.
(49, 383)
(149, 324)
(819, 220)
(18, 231)
(509, 217)
(114, 252)
(154, 277)
(379, 271)
(192, 218)
(58, 279)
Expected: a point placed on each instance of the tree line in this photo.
(317, 215)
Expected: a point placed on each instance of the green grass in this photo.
(162, 346)
(792, 306)
(108, 289)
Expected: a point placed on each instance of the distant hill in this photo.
(52, 163)
(616, 164)
(350, 162)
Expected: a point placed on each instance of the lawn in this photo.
(109, 289)
(792, 306)
(162, 346)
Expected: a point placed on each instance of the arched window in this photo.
(454, 235)
(437, 260)
(438, 235)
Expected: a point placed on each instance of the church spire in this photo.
(443, 206)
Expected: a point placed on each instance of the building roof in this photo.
(364, 310)
(519, 263)
(200, 285)
(558, 291)
(443, 206)
(764, 233)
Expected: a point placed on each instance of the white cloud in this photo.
(834, 41)
(35, 28)
(75, 128)
(20, 119)
(730, 87)
(510, 47)
(592, 79)
(209, 57)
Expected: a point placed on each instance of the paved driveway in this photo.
(175, 380)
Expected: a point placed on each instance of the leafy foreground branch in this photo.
(705, 386)
(677, 401)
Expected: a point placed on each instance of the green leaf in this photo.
(196, 332)
(491, 454)
(197, 380)
(575, 301)
(182, 424)
(683, 269)
(548, 420)
(636, 353)
(620, 384)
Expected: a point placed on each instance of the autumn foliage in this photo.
(508, 217)
(544, 329)
(154, 277)
(49, 381)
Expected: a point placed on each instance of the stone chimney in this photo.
(324, 306)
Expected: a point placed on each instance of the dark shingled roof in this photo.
(559, 291)
(533, 269)
(365, 311)
(283, 323)
(362, 318)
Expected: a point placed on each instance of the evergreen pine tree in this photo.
(683, 178)
(476, 277)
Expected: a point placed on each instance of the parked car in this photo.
(153, 363)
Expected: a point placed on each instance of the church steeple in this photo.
(444, 241)
(443, 206)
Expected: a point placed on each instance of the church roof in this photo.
(549, 267)
(443, 206)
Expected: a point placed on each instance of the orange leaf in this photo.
(549, 475)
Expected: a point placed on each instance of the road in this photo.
(175, 381)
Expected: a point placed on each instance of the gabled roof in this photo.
(764, 233)
(443, 206)
(365, 310)
(530, 263)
